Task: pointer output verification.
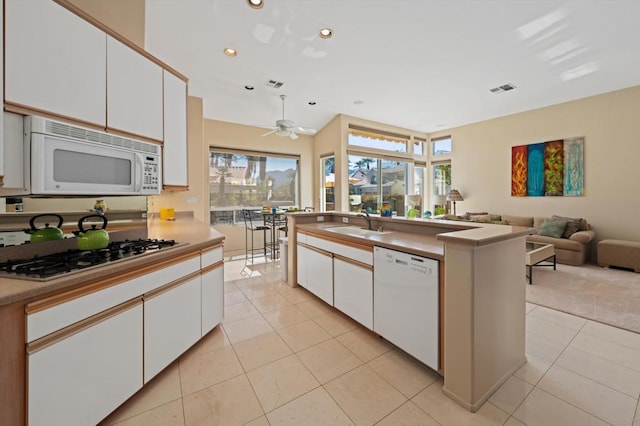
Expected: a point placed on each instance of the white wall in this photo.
(481, 161)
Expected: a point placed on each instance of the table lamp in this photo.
(454, 196)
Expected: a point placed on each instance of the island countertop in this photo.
(422, 245)
(399, 232)
(190, 234)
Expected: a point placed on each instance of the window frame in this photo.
(433, 142)
(232, 215)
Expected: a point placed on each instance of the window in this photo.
(441, 146)
(441, 186)
(328, 181)
(418, 147)
(250, 180)
(373, 181)
(376, 177)
(419, 188)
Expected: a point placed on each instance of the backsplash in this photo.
(26, 251)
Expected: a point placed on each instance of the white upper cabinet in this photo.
(134, 92)
(175, 131)
(54, 61)
(2, 167)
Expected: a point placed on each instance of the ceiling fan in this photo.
(287, 127)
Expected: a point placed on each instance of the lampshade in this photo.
(454, 195)
(438, 200)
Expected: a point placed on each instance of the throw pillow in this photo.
(498, 222)
(553, 228)
(470, 214)
(573, 225)
(518, 220)
(481, 218)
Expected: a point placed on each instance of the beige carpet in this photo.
(610, 296)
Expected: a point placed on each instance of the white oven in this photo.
(71, 160)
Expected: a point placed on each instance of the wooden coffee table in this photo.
(536, 253)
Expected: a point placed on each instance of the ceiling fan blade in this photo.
(306, 130)
(270, 132)
(292, 135)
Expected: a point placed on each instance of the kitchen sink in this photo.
(355, 230)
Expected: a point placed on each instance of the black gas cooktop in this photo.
(53, 265)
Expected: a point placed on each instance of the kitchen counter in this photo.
(482, 298)
(423, 245)
(192, 235)
(424, 237)
(182, 289)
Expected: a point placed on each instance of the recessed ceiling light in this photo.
(230, 52)
(326, 33)
(256, 4)
(248, 87)
(358, 102)
(312, 102)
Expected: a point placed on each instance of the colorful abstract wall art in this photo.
(553, 168)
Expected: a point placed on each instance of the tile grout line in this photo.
(558, 366)
(535, 386)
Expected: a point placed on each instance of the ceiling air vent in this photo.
(503, 88)
(274, 84)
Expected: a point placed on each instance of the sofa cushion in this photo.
(573, 225)
(558, 243)
(553, 228)
(518, 220)
(583, 236)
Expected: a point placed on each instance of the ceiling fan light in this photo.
(283, 132)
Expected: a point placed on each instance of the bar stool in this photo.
(250, 229)
(279, 227)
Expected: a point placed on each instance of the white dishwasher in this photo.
(406, 303)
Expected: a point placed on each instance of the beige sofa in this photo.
(574, 250)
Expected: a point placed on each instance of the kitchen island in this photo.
(482, 297)
(72, 323)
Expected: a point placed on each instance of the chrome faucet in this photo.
(366, 217)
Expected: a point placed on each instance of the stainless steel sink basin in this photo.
(355, 230)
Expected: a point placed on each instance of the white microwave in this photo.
(71, 160)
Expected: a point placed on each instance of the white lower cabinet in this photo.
(353, 290)
(212, 298)
(88, 354)
(79, 375)
(320, 274)
(172, 323)
(302, 254)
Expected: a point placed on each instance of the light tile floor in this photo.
(283, 357)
